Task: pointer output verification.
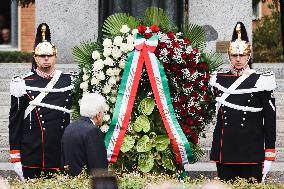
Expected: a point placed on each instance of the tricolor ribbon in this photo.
(144, 52)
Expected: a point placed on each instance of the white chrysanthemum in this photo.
(84, 86)
(130, 39)
(96, 55)
(116, 71)
(107, 52)
(85, 77)
(117, 40)
(124, 29)
(107, 43)
(109, 72)
(104, 128)
(101, 76)
(106, 89)
(124, 47)
(94, 81)
(106, 117)
(122, 63)
(108, 61)
(116, 53)
(98, 65)
(112, 80)
(113, 91)
(130, 47)
(117, 78)
(107, 108)
(112, 99)
(134, 31)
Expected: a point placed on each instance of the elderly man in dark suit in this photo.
(83, 141)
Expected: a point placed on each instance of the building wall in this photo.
(27, 28)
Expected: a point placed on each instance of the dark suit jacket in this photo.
(83, 146)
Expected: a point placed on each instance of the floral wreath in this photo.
(145, 145)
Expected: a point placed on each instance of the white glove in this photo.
(266, 169)
(18, 168)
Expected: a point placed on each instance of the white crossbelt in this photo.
(41, 95)
(235, 85)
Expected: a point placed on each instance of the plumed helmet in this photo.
(43, 45)
(239, 43)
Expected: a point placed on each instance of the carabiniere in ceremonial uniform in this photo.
(40, 111)
(245, 131)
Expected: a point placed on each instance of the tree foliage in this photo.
(24, 3)
(267, 40)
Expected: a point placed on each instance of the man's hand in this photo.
(266, 169)
(19, 170)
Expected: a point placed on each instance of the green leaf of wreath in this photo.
(145, 162)
(144, 144)
(157, 16)
(168, 163)
(146, 106)
(141, 123)
(113, 24)
(128, 143)
(195, 34)
(162, 142)
(83, 54)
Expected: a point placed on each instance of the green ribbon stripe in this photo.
(171, 109)
(120, 95)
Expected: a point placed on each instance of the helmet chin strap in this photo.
(239, 71)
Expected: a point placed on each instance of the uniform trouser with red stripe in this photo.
(31, 173)
(228, 172)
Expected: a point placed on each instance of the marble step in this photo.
(4, 154)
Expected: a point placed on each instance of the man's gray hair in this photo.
(91, 104)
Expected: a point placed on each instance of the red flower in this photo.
(171, 35)
(147, 35)
(183, 56)
(195, 51)
(186, 41)
(188, 85)
(192, 109)
(202, 66)
(186, 129)
(191, 56)
(206, 97)
(154, 28)
(183, 112)
(163, 45)
(194, 94)
(205, 78)
(194, 137)
(141, 29)
(189, 121)
(183, 98)
(175, 44)
(203, 88)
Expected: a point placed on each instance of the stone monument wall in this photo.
(219, 18)
(70, 21)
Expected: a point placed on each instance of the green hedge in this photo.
(135, 181)
(15, 56)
